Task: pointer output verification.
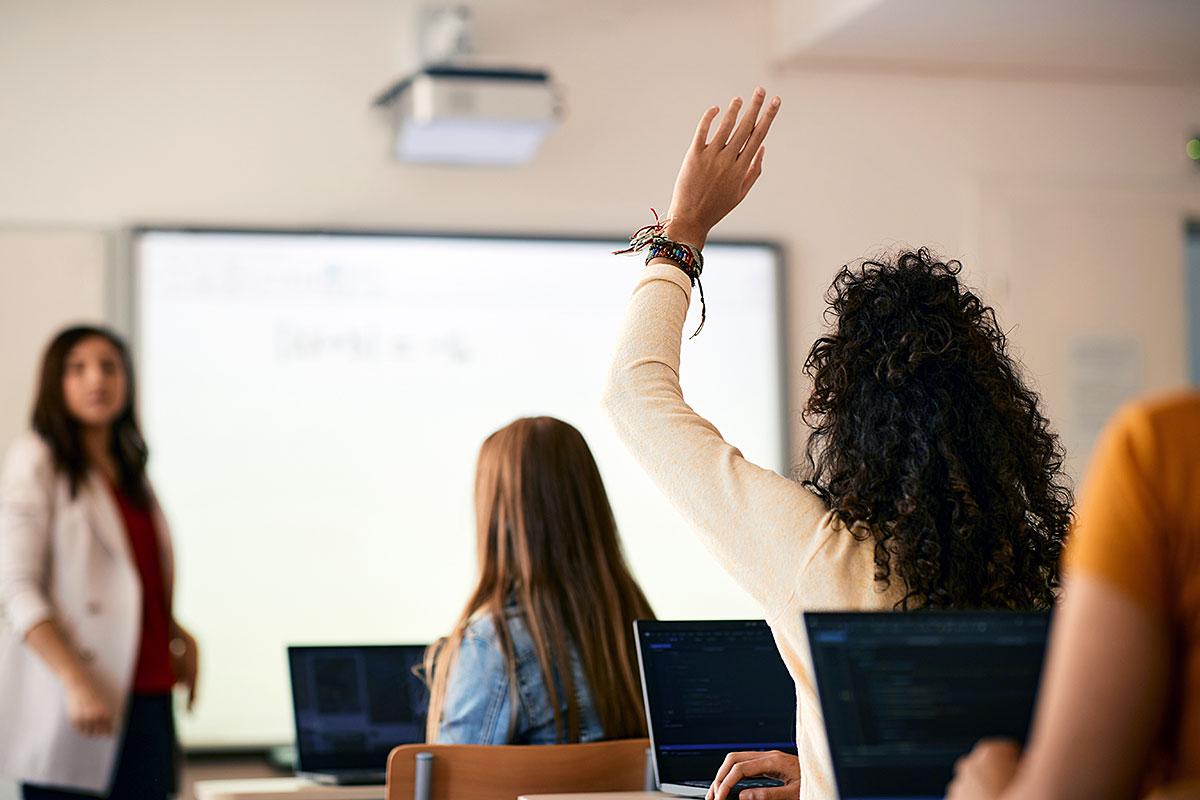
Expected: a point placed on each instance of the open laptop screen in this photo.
(713, 688)
(905, 695)
(354, 704)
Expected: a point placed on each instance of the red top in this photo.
(153, 674)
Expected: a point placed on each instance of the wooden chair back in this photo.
(502, 772)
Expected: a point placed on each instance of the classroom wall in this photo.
(257, 114)
(47, 278)
(1066, 200)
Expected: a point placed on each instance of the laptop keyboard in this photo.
(358, 777)
(745, 783)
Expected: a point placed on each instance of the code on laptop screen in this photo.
(714, 688)
(905, 695)
(354, 704)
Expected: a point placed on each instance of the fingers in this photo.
(750, 131)
(730, 761)
(967, 761)
(744, 128)
(102, 725)
(754, 142)
(991, 749)
(1005, 748)
(754, 173)
(701, 137)
(959, 784)
(787, 792)
(736, 773)
(986, 771)
(754, 763)
(95, 724)
(726, 127)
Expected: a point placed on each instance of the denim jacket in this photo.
(478, 704)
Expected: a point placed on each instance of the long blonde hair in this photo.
(547, 543)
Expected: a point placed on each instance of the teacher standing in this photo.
(89, 649)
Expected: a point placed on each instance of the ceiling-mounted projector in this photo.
(449, 114)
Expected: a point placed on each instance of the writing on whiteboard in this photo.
(367, 343)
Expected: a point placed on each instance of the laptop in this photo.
(904, 695)
(352, 705)
(712, 688)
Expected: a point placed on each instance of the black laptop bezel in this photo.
(316, 765)
(666, 626)
(814, 618)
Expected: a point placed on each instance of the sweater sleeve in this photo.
(762, 527)
(26, 508)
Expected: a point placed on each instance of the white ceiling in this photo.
(1105, 40)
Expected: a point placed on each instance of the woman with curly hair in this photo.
(932, 478)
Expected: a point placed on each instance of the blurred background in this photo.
(1052, 147)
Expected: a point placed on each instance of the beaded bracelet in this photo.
(653, 239)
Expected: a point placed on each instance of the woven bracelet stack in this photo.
(652, 239)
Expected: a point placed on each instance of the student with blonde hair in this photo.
(543, 652)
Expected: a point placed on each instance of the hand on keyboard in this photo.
(772, 775)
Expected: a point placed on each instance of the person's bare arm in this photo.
(89, 711)
(1099, 706)
(1102, 698)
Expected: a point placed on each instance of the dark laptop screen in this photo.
(905, 695)
(712, 688)
(354, 704)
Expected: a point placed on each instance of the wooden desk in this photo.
(282, 789)
(600, 796)
(300, 789)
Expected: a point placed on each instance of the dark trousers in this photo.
(145, 768)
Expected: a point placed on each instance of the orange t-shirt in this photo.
(1138, 528)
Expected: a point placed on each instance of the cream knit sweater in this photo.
(775, 537)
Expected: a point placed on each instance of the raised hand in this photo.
(718, 172)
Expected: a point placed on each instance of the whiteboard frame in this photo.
(125, 289)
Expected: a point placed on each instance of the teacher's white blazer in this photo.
(66, 559)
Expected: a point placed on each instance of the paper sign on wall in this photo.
(1105, 373)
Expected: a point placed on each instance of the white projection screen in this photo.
(314, 404)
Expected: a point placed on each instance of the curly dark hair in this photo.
(925, 437)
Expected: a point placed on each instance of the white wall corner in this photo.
(797, 25)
